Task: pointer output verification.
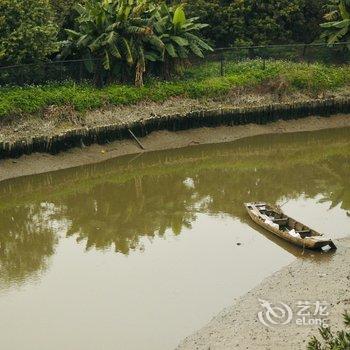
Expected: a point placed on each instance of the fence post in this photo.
(45, 72)
(222, 65)
(61, 71)
(304, 52)
(80, 71)
(21, 76)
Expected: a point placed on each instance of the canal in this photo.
(140, 251)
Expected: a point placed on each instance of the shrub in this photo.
(330, 341)
(27, 31)
(240, 22)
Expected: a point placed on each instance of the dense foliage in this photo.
(337, 27)
(233, 22)
(112, 32)
(27, 31)
(64, 15)
(124, 38)
(132, 32)
(63, 10)
(178, 33)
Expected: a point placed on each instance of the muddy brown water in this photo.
(140, 251)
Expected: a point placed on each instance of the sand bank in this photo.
(238, 326)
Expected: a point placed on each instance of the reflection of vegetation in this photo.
(337, 192)
(120, 214)
(26, 241)
(120, 201)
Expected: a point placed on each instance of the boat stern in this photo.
(323, 244)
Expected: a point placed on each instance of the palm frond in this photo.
(114, 51)
(179, 40)
(95, 45)
(106, 61)
(179, 17)
(152, 56)
(88, 62)
(127, 51)
(156, 42)
(73, 33)
(182, 52)
(194, 38)
(343, 10)
(83, 40)
(170, 50)
(196, 50)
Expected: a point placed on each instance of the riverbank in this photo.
(237, 327)
(55, 103)
(56, 117)
(54, 120)
(42, 162)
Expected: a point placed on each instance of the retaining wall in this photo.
(196, 119)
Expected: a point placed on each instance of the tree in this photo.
(27, 31)
(64, 15)
(134, 32)
(226, 20)
(62, 9)
(113, 32)
(337, 27)
(179, 35)
(237, 22)
(307, 28)
(280, 21)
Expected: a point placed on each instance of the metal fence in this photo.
(76, 70)
(44, 72)
(338, 54)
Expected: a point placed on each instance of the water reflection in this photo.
(117, 203)
(27, 241)
(119, 214)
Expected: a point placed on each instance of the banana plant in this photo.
(337, 27)
(113, 31)
(179, 34)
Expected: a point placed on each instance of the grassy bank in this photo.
(198, 82)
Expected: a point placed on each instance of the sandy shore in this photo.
(40, 163)
(238, 327)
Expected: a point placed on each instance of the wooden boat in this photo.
(274, 220)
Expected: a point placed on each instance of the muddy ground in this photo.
(40, 162)
(238, 327)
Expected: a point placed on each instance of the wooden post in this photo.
(136, 139)
(222, 61)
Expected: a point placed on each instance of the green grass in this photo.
(197, 82)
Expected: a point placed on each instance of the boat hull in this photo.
(305, 243)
